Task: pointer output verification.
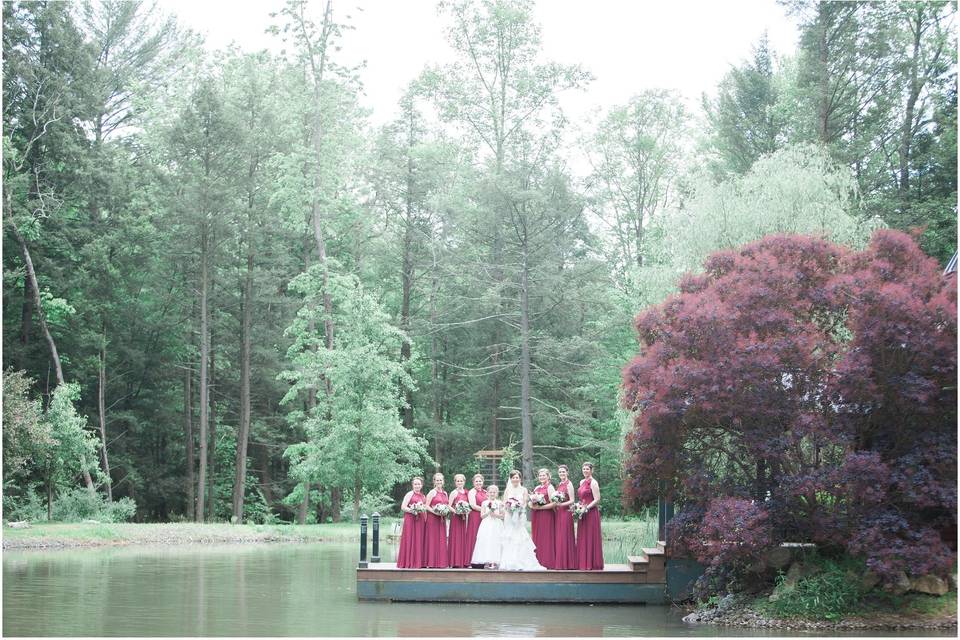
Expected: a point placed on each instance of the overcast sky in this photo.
(628, 45)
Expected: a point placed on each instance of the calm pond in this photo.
(269, 590)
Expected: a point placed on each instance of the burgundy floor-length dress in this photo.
(412, 538)
(544, 529)
(473, 523)
(589, 540)
(436, 535)
(458, 553)
(565, 546)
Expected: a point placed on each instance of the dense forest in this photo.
(227, 295)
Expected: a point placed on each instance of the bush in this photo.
(255, 508)
(799, 391)
(31, 506)
(121, 510)
(79, 504)
(381, 503)
(832, 593)
(73, 505)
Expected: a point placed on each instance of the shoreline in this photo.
(732, 613)
(91, 535)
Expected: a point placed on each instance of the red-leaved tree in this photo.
(801, 391)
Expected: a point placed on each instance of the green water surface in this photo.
(270, 590)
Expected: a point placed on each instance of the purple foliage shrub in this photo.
(801, 391)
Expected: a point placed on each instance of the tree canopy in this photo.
(262, 305)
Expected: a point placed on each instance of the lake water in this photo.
(270, 590)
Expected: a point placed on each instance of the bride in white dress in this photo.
(518, 549)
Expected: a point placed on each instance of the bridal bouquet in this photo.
(514, 505)
(579, 510)
(417, 508)
(558, 497)
(462, 509)
(442, 510)
(538, 498)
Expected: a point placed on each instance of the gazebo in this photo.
(489, 464)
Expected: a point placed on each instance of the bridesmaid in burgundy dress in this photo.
(459, 554)
(477, 496)
(543, 525)
(565, 547)
(436, 530)
(412, 541)
(589, 540)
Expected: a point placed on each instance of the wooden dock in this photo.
(641, 581)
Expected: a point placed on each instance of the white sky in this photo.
(628, 45)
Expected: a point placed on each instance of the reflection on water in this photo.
(268, 590)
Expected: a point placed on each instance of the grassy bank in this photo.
(625, 536)
(58, 535)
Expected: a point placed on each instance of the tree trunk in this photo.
(319, 511)
(357, 488)
(638, 231)
(327, 301)
(405, 350)
(49, 497)
(204, 390)
(212, 464)
(304, 504)
(188, 433)
(26, 315)
(760, 483)
(406, 275)
(328, 329)
(499, 307)
(823, 102)
(101, 410)
(244, 433)
(35, 289)
(311, 393)
(526, 420)
(435, 352)
(336, 499)
(266, 479)
(54, 355)
(906, 134)
(357, 479)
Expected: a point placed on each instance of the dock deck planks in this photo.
(617, 583)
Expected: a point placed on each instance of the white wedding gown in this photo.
(519, 552)
(489, 547)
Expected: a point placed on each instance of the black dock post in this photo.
(375, 556)
(664, 513)
(363, 541)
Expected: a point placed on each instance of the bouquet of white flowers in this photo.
(538, 498)
(558, 497)
(442, 510)
(417, 508)
(579, 510)
(462, 509)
